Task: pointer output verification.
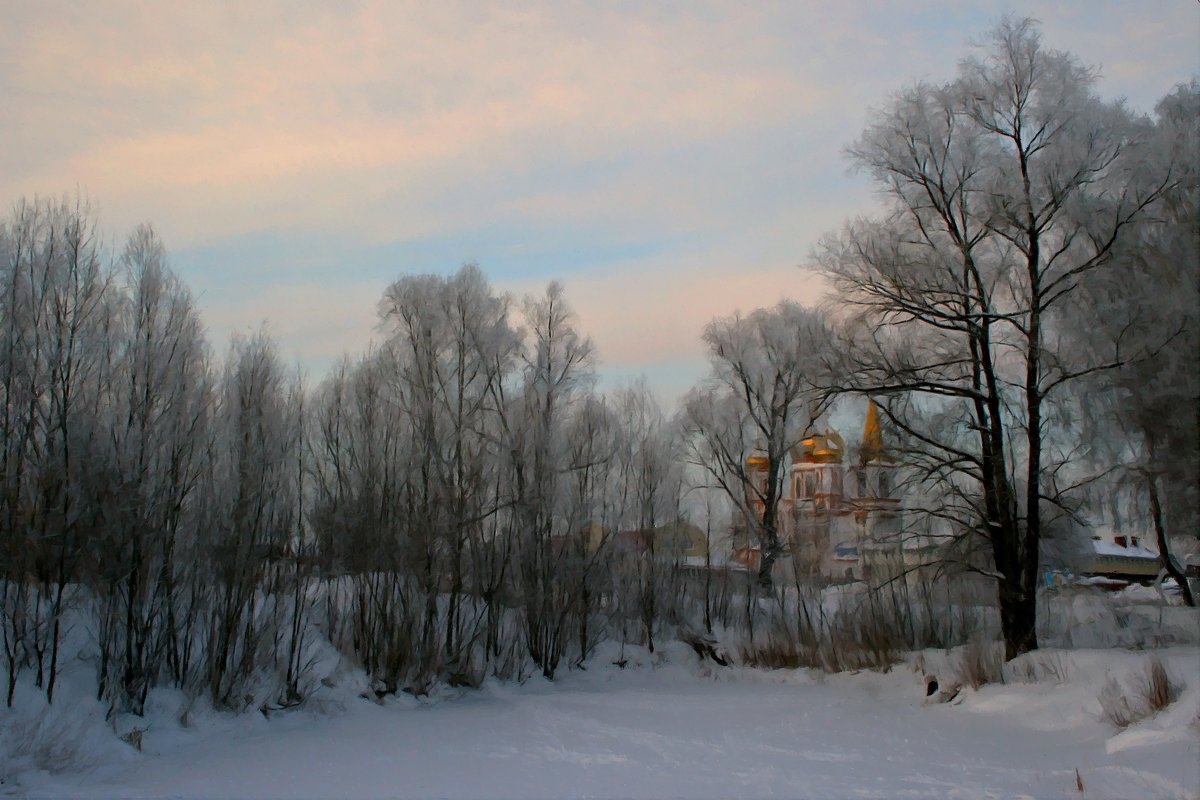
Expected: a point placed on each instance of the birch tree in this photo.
(557, 367)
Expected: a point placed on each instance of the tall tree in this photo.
(1011, 190)
(761, 398)
(557, 367)
(1145, 416)
(159, 410)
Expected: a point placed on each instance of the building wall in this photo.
(829, 510)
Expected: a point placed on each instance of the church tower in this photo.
(875, 474)
(876, 497)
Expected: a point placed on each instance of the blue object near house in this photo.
(845, 552)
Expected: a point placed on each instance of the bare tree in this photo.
(159, 404)
(557, 365)
(760, 400)
(254, 499)
(593, 442)
(1011, 188)
(58, 315)
(650, 475)
(1145, 416)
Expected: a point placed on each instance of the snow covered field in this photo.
(675, 728)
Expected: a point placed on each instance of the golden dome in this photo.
(820, 448)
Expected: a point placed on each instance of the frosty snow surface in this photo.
(665, 725)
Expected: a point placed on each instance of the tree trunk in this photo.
(1018, 618)
(1164, 552)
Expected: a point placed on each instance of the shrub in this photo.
(1117, 706)
(777, 652)
(1037, 667)
(861, 636)
(1159, 689)
(979, 663)
(1152, 690)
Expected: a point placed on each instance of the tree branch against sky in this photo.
(1014, 190)
(297, 158)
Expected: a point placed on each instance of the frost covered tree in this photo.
(437, 508)
(650, 475)
(359, 472)
(57, 317)
(594, 439)
(254, 503)
(557, 368)
(157, 422)
(761, 398)
(1011, 189)
(1144, 416)
(450, 347)
(1163, 399)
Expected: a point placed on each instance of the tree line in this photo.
(462, 501)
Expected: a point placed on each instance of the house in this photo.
(1120, 562)
(676, 540)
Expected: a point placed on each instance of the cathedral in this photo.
(839, 513)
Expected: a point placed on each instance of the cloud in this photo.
(314, 325)
(382, 117)
(671, 162)
(363, 111)
(642, 318)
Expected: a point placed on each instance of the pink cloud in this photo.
(246, 103)
(393, 121)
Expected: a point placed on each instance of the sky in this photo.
(668, 162)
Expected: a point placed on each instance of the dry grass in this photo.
(853, 639)
(777, 652)
(51, 741)
(980, 663)
(1158, 689)
(1148, 692)
(1118, 708)
(1037, 667)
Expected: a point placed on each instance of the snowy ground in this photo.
(678, 729)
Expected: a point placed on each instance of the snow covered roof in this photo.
(716, 561)
(1103, 548)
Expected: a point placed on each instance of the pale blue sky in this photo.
(669, 162)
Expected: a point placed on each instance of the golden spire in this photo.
(872, 441)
